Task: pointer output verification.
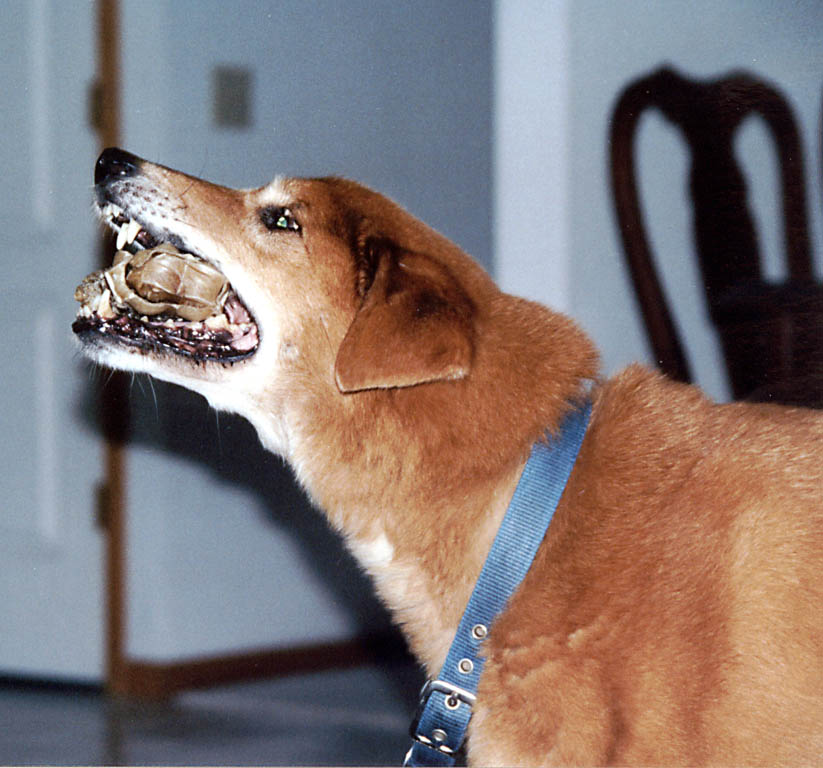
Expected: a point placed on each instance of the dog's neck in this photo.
(417, 479)
(422, 545)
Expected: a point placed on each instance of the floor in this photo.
(344, 717)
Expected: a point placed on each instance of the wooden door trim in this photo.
(113, 393)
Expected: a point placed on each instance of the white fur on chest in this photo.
(403, 586)
(374, 555)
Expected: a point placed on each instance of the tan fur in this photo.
(673, 613)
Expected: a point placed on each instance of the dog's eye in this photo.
(279, 218)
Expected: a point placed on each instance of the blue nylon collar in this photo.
(439, 729)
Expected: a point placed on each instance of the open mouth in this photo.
(162, 297)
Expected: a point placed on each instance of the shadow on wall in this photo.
(166, 417)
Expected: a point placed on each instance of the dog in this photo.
(672, 614)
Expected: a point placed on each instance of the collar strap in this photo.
(439, 728)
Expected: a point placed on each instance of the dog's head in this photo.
(232, 292)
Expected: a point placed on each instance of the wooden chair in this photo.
(771, 334)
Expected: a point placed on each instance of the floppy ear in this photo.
(414, 326)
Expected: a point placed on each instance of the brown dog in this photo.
(673, 612)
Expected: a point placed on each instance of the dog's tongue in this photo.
(235, 311)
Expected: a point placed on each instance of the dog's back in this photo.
(675, 615)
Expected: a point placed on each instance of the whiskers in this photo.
(98, 375)
(100, 378)
(139, 378)
(219, 435)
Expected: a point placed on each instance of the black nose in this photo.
(115, 162)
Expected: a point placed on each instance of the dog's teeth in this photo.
(216, 322)
(104, 308)
(132, 230)
(127, 233)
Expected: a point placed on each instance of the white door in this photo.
(50, 453)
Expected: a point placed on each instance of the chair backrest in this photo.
(772, 335)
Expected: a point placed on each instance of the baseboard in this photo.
(161, 680)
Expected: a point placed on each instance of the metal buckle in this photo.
(455, 696)
(454, 692)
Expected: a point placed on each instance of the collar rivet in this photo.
(479, 631)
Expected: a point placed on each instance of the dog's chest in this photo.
(403, 585)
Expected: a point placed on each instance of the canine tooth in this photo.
(104, 306)
(127, 233)
(132, 230)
